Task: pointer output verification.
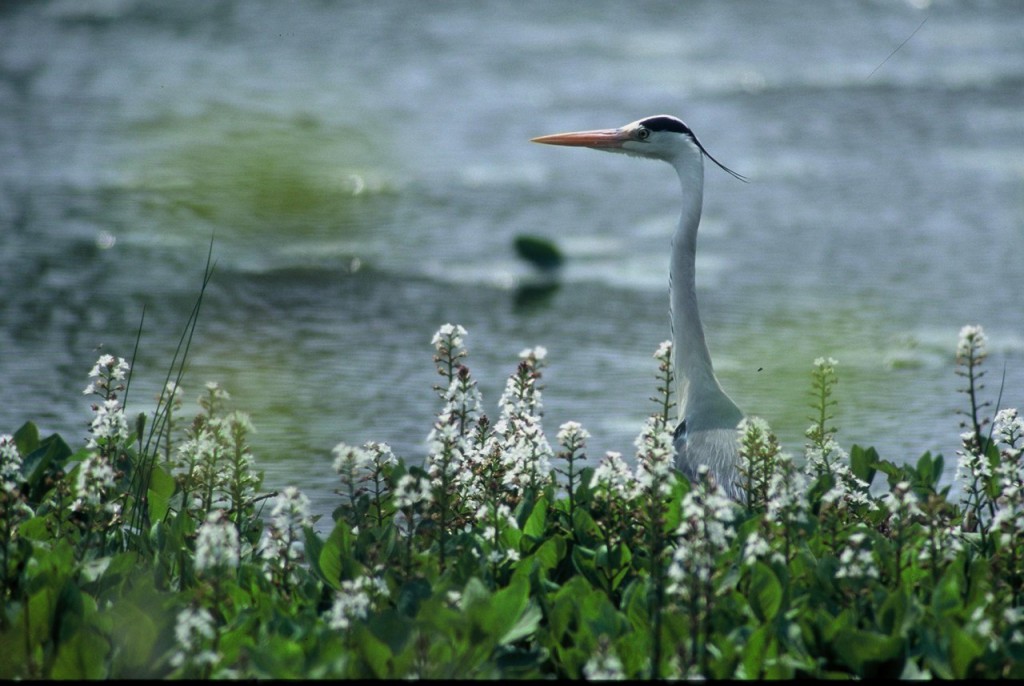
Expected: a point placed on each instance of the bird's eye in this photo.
(643, 134)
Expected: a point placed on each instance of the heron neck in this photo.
(695, 376)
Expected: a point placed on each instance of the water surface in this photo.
(364, 169)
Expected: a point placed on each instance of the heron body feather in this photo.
(708, 418)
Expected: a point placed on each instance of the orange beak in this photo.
(599, 138)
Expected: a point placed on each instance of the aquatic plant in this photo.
(156, 553)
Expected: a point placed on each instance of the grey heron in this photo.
(707, 418)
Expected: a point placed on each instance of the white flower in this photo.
(109, 426)
(349, 459)
(572, 435)
(217, 545)
(282, 544)
(10, 462)
(856, 560)
(194, 628)
(526, 454)
(411, 491)
(787, 494)
(173, 392)
(110, 367)
(901, 502)
(612, 477)
(449, 337)
(825, 363)
(536, 354)
(755, 548)
(655, 458)
(291, 510)
(353, 601)
(754, 426)
(971, 342)
(664, 352)
(95, 479)
(970, 465)
(603, 668)
(705, 531)
(1008, 426)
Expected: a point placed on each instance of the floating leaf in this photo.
(538, 251)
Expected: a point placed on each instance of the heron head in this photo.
(662, 137)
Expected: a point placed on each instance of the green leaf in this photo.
(869, 653)
(26, 438)
(161, 490)
(765, 593)
(84, 656)
(754, 651)
(280, 656)
(564, 610)
(863, 463)
(548, 555)
(947, 597)
(636, 602)
(926, 469)
(583, 560)
(536, 523)
(135, 621)
(601, 616)
(584, 529)
(891, 614)
(525, 625)
(313, 546)
(52, 452)
(614, 560)
(413, 592)
(392, 628)
(505, 609)
(964, 649)
(336, 559)
(373, 651)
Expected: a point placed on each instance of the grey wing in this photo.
(716, 448)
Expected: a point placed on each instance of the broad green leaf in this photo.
(601, 616)
(947, 596)
(964, 649)
(583, 559)
(280, 656)
(412, 594)
(525, 624)
(26, 438)
(313, 547)
(547, 556)
(161, 490)
(892, 614)
(536, 523)
(926, 469)
(336, 559)
(867, 652)
(83, 656)
(754, 652)
(375, 652)
(862, 463)
(50, 453)
(135, 621)
(392, 628)
(502, 612)
(765, 593)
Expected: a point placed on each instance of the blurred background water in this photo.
(365, 167)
